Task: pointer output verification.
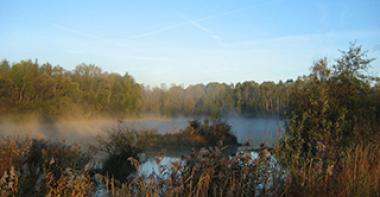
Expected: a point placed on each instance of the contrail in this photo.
(157, 31)
(88, 35)
(202, 28)
(195, 23)
(176, 25)
(74, 31)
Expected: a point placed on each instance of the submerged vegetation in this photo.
(330, 146)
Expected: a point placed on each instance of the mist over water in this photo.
(253, 130)
(256, 130)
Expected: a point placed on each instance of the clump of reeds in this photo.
(12, 150)
(357, 173)
(33, 167)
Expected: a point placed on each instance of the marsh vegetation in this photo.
(329, 144)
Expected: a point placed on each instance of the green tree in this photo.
(330, 110)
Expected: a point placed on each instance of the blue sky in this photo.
(187, 42)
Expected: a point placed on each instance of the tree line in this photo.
(248, 98)
(51, 91)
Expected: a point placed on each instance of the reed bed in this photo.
(41, 168)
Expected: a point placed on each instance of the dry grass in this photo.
(356, 174)
(207, 172)
(38, 167)
(11, 151)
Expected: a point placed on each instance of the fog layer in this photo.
(254, 130)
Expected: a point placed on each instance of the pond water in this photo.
(254, 130)
(157, 166)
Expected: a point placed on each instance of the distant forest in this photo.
(30, 87)
(27, 87)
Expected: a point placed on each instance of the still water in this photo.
(253, 130)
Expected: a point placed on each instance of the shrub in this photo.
(120, 145)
